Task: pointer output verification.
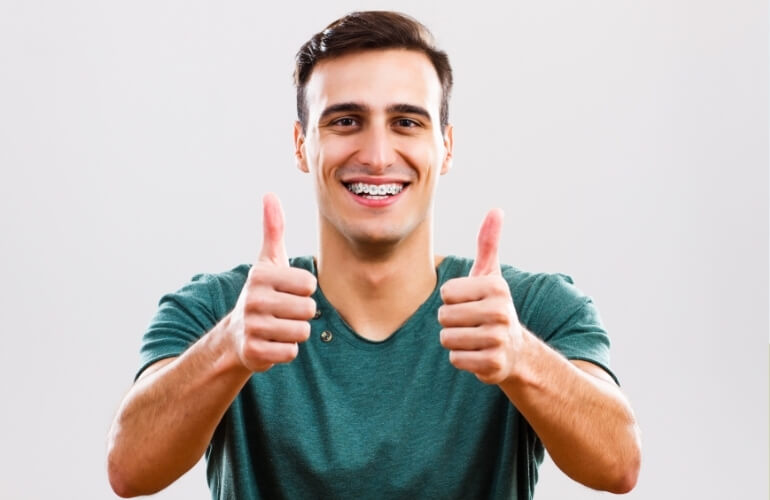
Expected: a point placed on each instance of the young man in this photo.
(375, 368)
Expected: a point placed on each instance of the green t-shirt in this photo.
(353, 418)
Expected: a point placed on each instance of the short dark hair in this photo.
(370, 30)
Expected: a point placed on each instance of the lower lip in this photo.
(376, 203)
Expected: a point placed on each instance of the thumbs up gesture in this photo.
(481, 329)
(271, 315)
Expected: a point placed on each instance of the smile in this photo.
(375, 191)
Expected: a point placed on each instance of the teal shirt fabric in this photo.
(354, 418)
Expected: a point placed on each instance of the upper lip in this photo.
(374, 180)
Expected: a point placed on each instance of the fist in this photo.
(481, 329)
(271, 316)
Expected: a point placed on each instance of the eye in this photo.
(345, 121)
(407, 123)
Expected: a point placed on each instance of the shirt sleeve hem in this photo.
(597, 363)
(153, 360)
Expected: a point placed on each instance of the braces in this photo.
(375, 189)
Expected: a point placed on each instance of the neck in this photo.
(375, 288)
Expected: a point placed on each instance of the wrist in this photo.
(524, 368)
(224, 350)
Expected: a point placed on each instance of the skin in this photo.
(372, 114)
(375, 266)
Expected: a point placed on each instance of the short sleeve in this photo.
(182, 318)
(551, 307)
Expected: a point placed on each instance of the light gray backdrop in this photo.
(626, 141)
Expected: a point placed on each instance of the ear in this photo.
(448, 145)
(299, 147)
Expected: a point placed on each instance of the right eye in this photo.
(345, 121)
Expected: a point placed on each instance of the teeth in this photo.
(375, 189)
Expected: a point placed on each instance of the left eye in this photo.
(406, 122)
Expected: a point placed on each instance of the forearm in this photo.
(168, 417)
(585, 423)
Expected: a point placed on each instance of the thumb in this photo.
(487, 254)
(273, 248)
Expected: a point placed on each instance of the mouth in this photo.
(376, 191)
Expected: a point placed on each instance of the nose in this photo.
(376, 149)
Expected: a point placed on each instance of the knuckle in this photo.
(258, 302)
(310, 282)
(443, 313)
(256, 328)
(494, 366)
(303, 331)
(446, 290)
(288, 352)
(253, 351)
(496, 363)
(310, 308)
(303, 280)
(256, 274)
(450, 289)
(499, 286)
(499, 315)
(494, 336)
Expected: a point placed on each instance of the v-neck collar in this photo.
(342, 329)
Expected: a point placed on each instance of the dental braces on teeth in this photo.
(375, 189)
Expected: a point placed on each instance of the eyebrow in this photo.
(354, 107)
(409, 109)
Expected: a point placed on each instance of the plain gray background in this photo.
(626, 141)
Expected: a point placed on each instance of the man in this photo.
(375, 368)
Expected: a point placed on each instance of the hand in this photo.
(481, 327)
(271, 315)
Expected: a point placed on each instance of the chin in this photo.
(375, 237)
(375, 234)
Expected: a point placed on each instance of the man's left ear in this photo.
(299, 147)
(448, 145)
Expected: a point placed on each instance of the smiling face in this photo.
(374, 145)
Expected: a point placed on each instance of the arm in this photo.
(580, 415)
(582, 418)
(168, 417)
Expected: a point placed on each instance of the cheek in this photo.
(424, 155)
(328, 155)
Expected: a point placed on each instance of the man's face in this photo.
(374, 145)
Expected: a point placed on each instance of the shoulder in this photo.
(539, 297)
(550, 306)
(522, 283)
(207, 285)
(205, 297)
(557, 289)
(546, 301)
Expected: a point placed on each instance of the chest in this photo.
(376, 417)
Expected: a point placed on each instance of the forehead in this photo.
(376, 78)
